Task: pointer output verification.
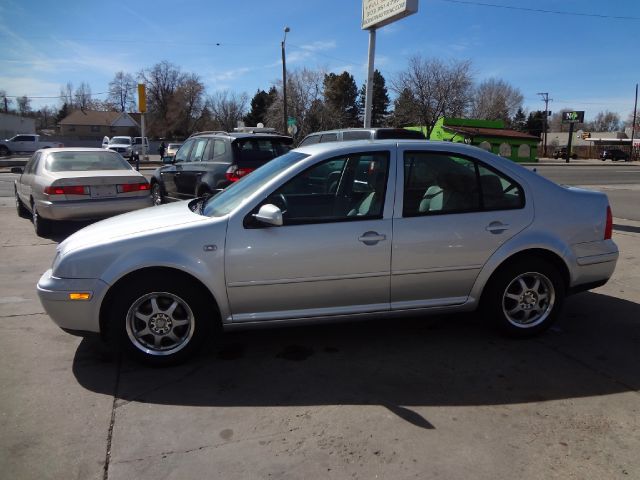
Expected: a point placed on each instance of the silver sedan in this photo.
(77, 184)
(331, 232)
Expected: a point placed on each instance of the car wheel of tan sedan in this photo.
(159, 322)
(42, 226)
(525, 297)
(156, 194)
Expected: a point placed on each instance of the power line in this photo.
(540, 10)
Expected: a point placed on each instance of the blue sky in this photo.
(588, 63)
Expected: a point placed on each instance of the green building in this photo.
(487, 134)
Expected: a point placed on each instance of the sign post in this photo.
(142, 107)
(376, 14)
(571, 118)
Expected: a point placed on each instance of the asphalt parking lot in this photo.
(441, 397)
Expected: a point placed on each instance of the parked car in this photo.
(77, 184)
(122, 145)
(137, 146)
(347, 134)
(614, 154)
(309, 237)
(562, 153)
(207, 162)
(172, 149)
(25, 143)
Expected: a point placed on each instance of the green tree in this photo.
(260, 103)
(341, 98)
(404, 110)
(379, 101)
(520, 120)
(535, 123)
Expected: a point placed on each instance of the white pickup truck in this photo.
(25, 143)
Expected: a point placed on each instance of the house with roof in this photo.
(490, 135)
(89, 124)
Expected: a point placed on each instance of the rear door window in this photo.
(329, 137)
(356, 135)
(310, 140)
(197, 151)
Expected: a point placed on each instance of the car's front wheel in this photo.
(524, 297)
(159, 321)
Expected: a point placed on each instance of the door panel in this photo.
(331, 257)
(455, 214)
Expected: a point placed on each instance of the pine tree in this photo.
(341, 97)
(379, 101)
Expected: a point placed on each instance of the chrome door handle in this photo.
(497, 227)
(371, 238)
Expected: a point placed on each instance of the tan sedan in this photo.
(77, 184)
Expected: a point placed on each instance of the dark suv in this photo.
(207, 162)
(346, 134)
(614, 154)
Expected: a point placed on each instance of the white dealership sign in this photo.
(378, 13)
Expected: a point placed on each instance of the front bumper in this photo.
(90, 209)
(76, 315)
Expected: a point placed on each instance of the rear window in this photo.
(399, 134)
(84, 161)
(259, 149)
(356, 135)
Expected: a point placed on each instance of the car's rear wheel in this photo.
(42, 226)
(20, 208)
(156, 194)
(525, 297)
(4, 151)
(159, 321)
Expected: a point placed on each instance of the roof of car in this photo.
(75, 149)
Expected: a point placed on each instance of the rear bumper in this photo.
(76, 315)
(595, 264)
(90, 209)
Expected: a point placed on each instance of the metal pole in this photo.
(284, 83)
(545, 97)
(569, 142)
(141, 142)
(369, 93)
(633, 124)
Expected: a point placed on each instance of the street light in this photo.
(284, 82)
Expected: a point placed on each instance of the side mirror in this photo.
(17, 170)
(270, 215)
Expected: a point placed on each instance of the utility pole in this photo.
(545, 98)
(284, 83)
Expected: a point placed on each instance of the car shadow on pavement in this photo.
(439, 361)
(63, 229)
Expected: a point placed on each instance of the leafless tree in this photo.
(82, 96)
(304, 102)
(227, 109)
(6, 101)
(23, 105)
(122, 91)
(605, 122)
(186, 105)
(66, 96)
(495, 99)
(439, 89)
(162, 80)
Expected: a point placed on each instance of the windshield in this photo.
(236, 194)
(84, 161)
(120, 140)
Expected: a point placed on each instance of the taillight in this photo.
(234, 173)
(608, 229)
(67, 190)
(133, 187)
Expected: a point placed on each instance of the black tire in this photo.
(178, 319)
(42, 226)
(4, 151)
(23, 212)
(156, 194)
(524, 297)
